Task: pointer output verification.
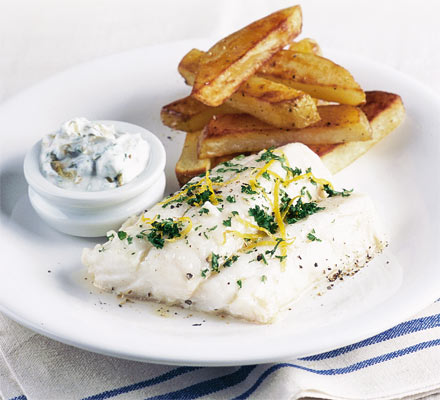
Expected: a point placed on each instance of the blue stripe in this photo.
(399, 330)
(22, 397)
(140, 385)
(402, 329)
(208, 387)
(344, 370)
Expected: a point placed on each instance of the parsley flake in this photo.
(332, 193)
(230, 260)
(227, 222)
(263, 219)
(246, 188)
(203, 210)
(122, 235)
(311, 236)
(300, 210)
(270, 155)
(214, 262)
(161, 230)
(266, 175)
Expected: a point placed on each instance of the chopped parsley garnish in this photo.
(212, 228)
(200, 198)
(203, 273)
(240, 157)
(129, 239)
(263, 219)
(111, 237)
(263, 278)
(217, 179)
(281, 258)
(272, 252)
(230, 260)
(203, 210)
(234, 212)
(231, 199)
(284, 201)
(246, 188)
(294, 171)
(332, 193)
(311, 236)
(266, 175)
(270, 155)
(214, 262)
(230, 166)
(122, 235)
(191, 194)
(239, 283)
(161, 230)
(301, 210)
(227, 222)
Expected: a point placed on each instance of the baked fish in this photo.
(248, 238)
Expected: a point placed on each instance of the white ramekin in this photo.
(93, 214)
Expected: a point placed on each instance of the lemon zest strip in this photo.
(251, 225)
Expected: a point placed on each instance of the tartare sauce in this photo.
(90, 156)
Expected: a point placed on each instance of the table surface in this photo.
(41, 38)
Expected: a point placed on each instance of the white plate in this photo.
(401, 174)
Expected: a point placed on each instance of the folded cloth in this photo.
(402, 362)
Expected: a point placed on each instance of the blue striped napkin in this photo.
(402, 362)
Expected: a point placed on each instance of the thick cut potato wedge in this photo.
(189, 165)
(232, 60)
(306, 45)
(316, 75)
(271, 102)
(312, 74)
(275, 103)
(189, 115)
(189, 65)
(385, 113)
(235, 133)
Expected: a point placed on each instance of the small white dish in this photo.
(92, 214)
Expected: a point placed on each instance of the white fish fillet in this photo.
(261, 280)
